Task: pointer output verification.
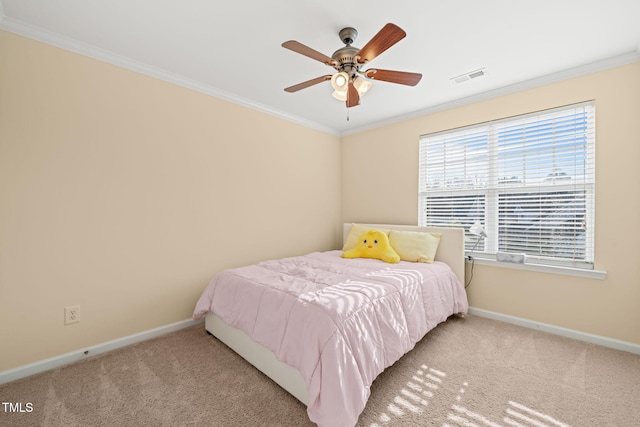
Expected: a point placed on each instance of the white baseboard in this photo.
(556, 330)
(74, 356)
(64, 359)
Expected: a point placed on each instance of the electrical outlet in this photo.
(71, 314)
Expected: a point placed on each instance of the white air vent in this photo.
(470, 75)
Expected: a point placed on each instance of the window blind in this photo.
(529, 180)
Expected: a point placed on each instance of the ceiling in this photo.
(232, 50)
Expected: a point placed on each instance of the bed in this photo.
(324, 327)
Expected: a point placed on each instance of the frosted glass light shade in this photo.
(339, 81)
(340, 95)
(362, 85)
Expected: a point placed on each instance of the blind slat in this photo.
(528, 179)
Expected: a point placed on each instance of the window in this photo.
(529, 180)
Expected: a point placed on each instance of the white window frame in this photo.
(486, 248)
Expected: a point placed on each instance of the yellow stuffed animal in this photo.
(373, 244)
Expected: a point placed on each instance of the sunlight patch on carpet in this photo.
(518, 415)
(531, 416)
(414, 397)
(464, 417)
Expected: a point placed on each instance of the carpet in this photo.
(468, 371)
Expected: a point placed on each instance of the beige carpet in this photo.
(466, 372)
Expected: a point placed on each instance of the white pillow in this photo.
(415, 246)
(355, 232)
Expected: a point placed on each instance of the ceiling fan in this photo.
(349, 82)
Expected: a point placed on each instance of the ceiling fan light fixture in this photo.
(340, 81)
(346, 61)
(362, 85)
(340, 95)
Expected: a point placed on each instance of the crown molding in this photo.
(605, 64)
(72, 45)
(63, 42)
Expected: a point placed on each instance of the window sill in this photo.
(567, 271)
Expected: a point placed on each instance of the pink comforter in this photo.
(339, 321)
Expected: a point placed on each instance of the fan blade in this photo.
(353, 97)
(308, 83)
(400, 77)
(307, 51)
(389, 35)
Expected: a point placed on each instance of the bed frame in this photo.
(450, 251)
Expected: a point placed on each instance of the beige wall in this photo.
(387, 193)
(126, 194)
